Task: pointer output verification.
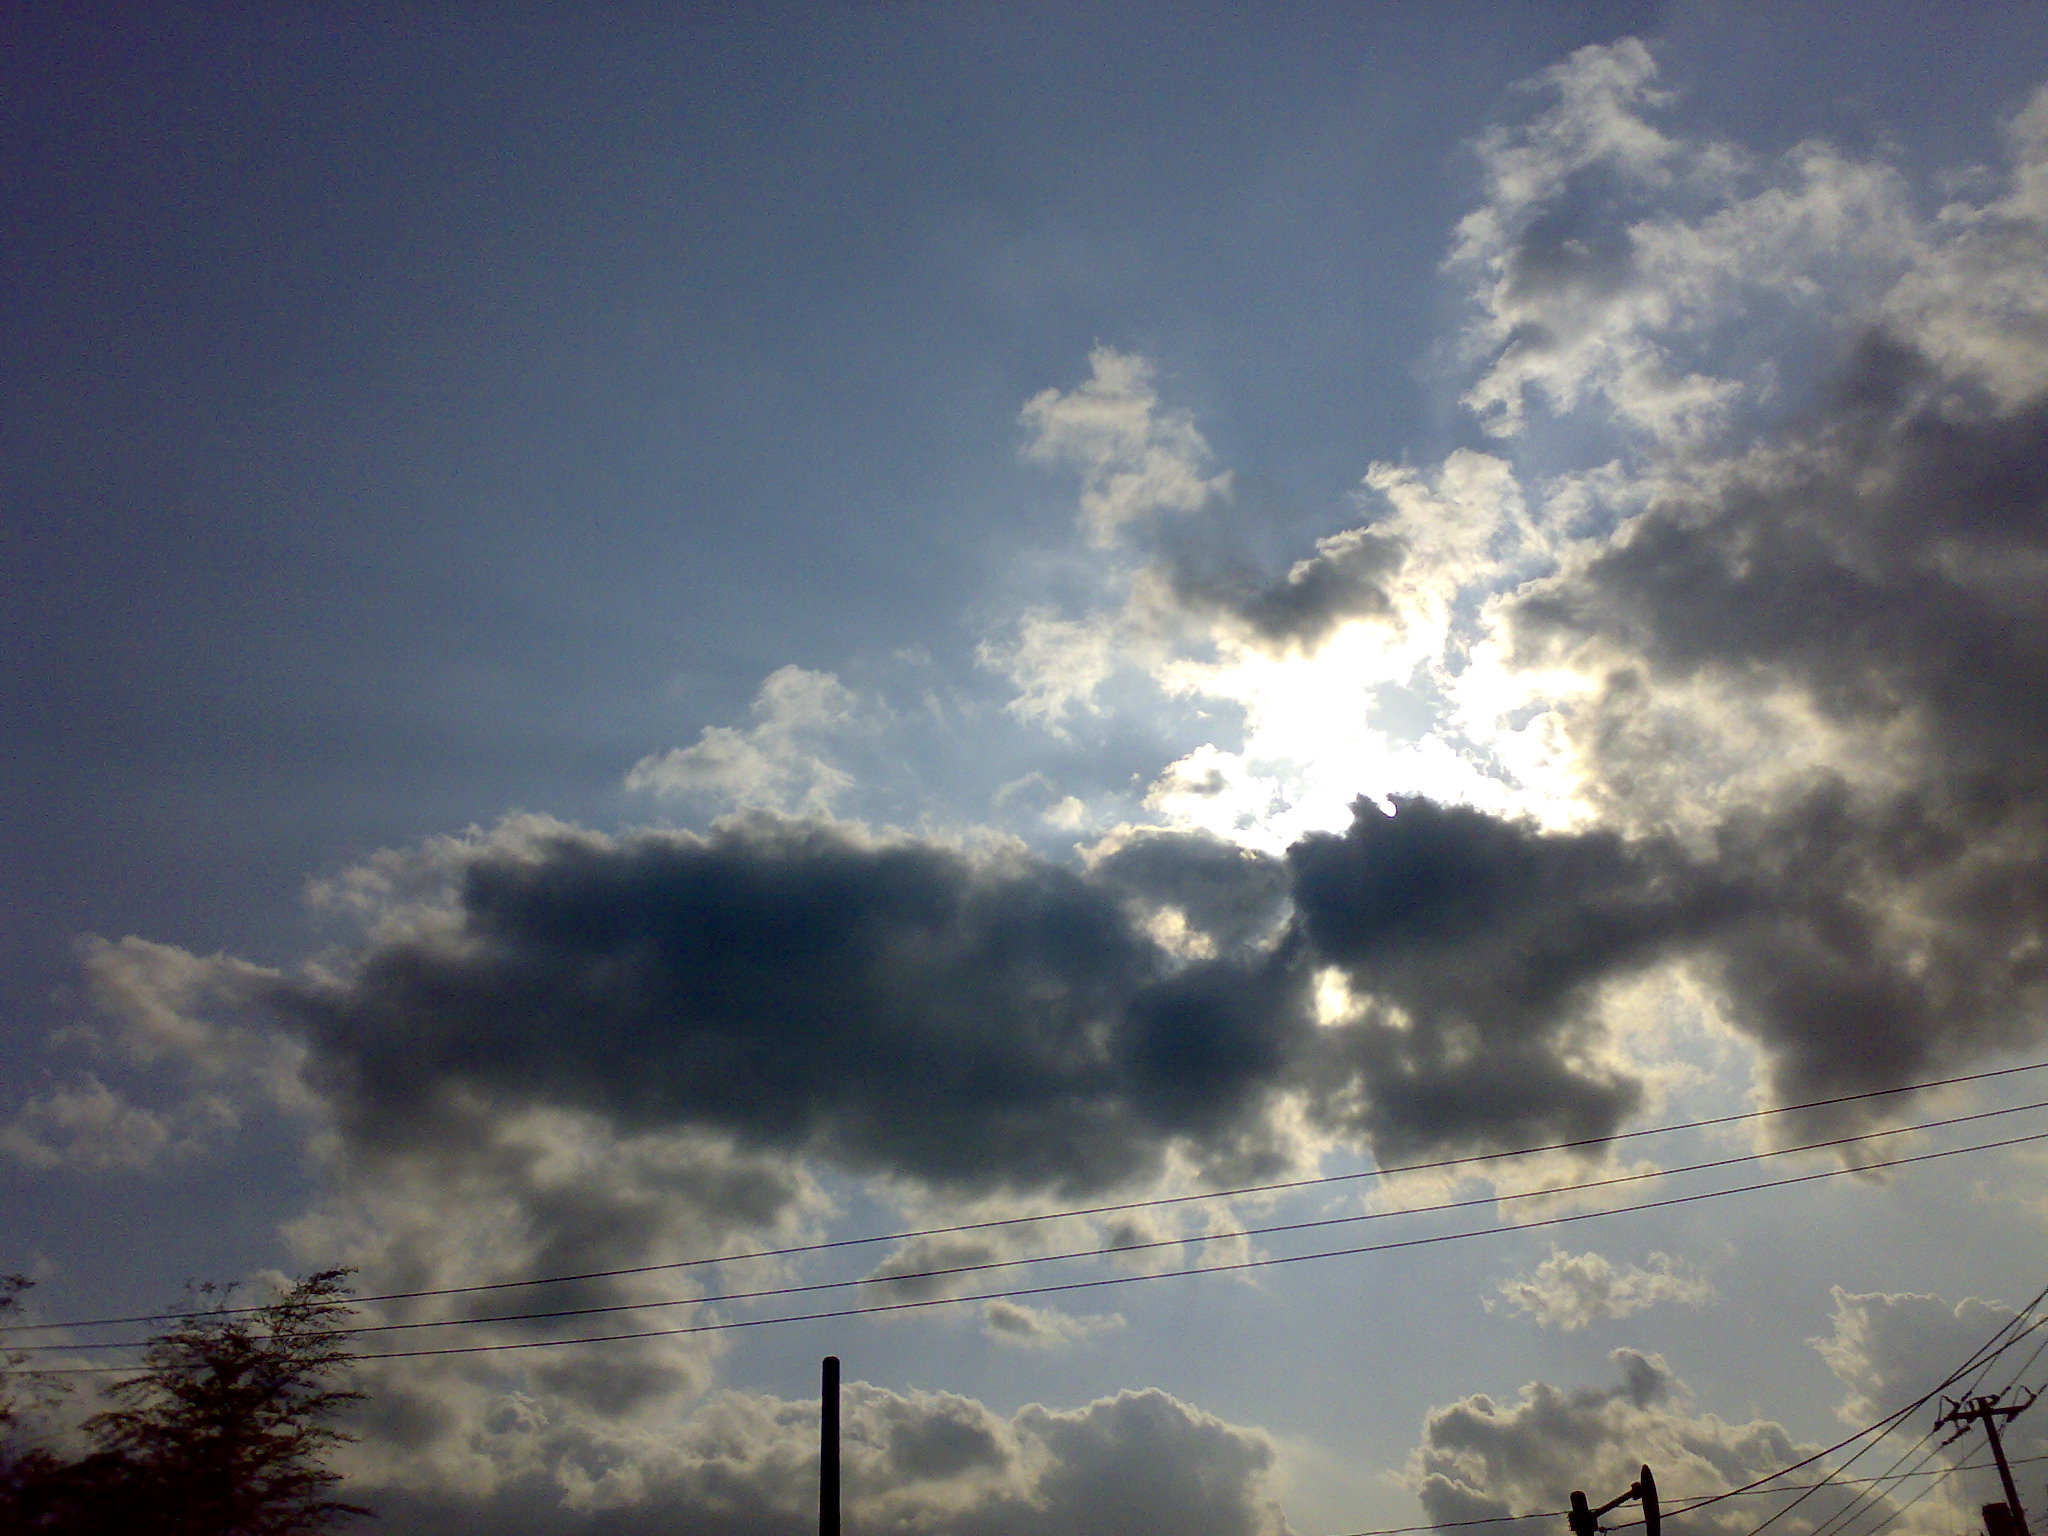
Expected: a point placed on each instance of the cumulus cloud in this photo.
(794, 985)
(789, 985)
(1569, 1291)
(1012, 1322)
(87, 1127)
(1136, 458)
(1606, 252)
(779, 763)
(1058, 665)
(1817, 653)
(1475, 948)
(1889, 1349)
(1482, 1458)
(917, 1462)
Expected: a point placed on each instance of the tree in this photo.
(221, 1434)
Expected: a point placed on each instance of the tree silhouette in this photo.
(221, 1434)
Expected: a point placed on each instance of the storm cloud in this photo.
(989, 1021)
(969, 1021)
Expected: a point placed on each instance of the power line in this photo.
(1235, 1267)
(994, 1223)
(1990, 1350)
(1746, 1492)
(987, 1266)
(1980, 1360)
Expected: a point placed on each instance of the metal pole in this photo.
(828, 1450)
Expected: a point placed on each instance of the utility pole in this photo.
(1585, 1520)
(1987, 1411)
(828, 1450)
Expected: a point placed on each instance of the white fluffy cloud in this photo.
(1569, 1291)
(917, 1463)
(1136, 458)
(1481, 1458)
(777, 764)
(87, 1127)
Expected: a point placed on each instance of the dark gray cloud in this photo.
(1890, 556)
(1884, 562)
(1234, 897)
(1346, 578)
(1480, 943)
(973, 1022)
(989, 1022)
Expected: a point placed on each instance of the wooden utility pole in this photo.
(828, 1450)
(1988, 1412)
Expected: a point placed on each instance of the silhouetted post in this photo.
(1584, 1520)
(828, 1450)
(1987, 1411)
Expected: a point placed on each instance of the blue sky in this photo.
(647, 633)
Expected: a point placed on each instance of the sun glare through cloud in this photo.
(1323, 815)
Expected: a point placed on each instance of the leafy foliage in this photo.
(221, 1434)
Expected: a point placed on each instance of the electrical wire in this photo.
(1682, 1506)
(1239, 1266)
(1120, 1250)
(1980, 1360)
(1989, 1351)
(1238, 1192)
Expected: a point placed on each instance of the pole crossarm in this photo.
(1990, 1412)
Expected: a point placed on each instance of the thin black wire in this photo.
(1240, 1266)
(1869, 1497)
(1559, 1514)
(1897, 1510)
(995, 1223)
(2013, 1380)
(988, 1266)
(1888, 1477)
(1989, 1351)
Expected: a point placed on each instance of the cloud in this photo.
(1012, 1322)
(1799, 635)
(794, 985)
(1058, 665)
(1569, 1291)
(1607, 254)
(776, 765)
(1481, 1458)
(1889, 1349)
(789, 986)
(191, 1030)
(1136, 459)
(1974, 303)
(1347, 577)
(917, 1462)
(1476, 948)
(87, 1127)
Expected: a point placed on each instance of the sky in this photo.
(657, 654)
